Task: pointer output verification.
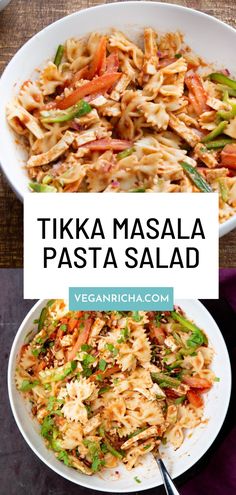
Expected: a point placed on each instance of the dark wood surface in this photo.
(22, 473)
(19, 22)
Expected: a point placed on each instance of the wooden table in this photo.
(19, 22)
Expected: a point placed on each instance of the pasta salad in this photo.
(109, 387)
(111, 115)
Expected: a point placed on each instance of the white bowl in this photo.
(194, 446)
(210, 38)
(3, 4)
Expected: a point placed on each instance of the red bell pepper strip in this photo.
(108, 144)
(197, 93)
(82, 339)
(97, 85)
(197, 382)
(194, 399)
(112, 62)
(98, 63)
(228, 156)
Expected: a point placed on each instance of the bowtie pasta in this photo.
(109, 115)
(111, 386)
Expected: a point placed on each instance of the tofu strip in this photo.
(53, 153)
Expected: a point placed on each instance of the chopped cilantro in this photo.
(36, 352)
(52, 402)
(112, 349)
(217, 379)
(95, 453)
(63, 456)
(136, 316)
(99, 377)
(47, 427)
(137, 479)
(86, 347)
(102, 364)
(103, 390)
(63, 328)
(158, 318)
(147, 446)
(124, 335)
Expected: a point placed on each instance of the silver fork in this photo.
(168, 483)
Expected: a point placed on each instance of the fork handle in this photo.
(169, 485)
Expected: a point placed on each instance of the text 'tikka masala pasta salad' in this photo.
(111, 115)
(109, 387)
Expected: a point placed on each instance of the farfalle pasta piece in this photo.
(50, 79)
(30, 96)
(21, 120)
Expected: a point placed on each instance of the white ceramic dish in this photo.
(3, 4)
(210, 38)
(194, 446)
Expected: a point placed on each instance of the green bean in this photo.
(195, 177)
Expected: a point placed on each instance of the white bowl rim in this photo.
(229, 224)
(87, 484)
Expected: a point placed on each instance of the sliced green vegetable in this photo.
(41, 188)
(174, 365)
(59, 55)
(219, 143)
(42, 318)
(139, 190)
(125, 153)
(81, 108)
(197, 339)
(136, 432)
(224, 191)
(50, 303)
(137, 479)
(117, 453)
(218, 77)
(196, 178)
(180, 400)
(57, 374)
(216, 132)
(230, 91)
(164, 380)
(184, 322)
(228, 114)
(27, 385)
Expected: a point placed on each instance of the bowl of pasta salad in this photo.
(97, 395)
(124, 97)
